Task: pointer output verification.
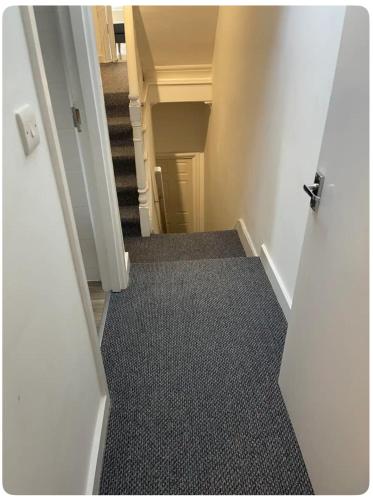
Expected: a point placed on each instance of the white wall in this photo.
(176, 35)
(50, 42)
(272, 77)
(180, 127)
(118, 14)
(51, 389)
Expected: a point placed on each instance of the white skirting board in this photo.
(276, 282)
(246, 239)
(269, 267)
(98, 448)
(103, 317)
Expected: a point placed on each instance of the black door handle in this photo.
(314, 191)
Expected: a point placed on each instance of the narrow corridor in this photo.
(196, 408)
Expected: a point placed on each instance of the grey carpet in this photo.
(115, 84)
(192, 353)
(181, 246)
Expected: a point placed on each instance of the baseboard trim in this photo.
(103, 317)
(98, 448)
(276, 282)
(246, 239)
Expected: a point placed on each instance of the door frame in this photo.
(83, 72)
(41, 84)
(198, 166)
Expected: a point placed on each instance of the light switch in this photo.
(28, 128)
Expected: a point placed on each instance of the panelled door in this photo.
(181, 180)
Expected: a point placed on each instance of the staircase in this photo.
(192, 352)
(122, 151)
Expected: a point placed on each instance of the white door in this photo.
(181, 180)
(324, 372)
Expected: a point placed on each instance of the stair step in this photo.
(120, 120)
(119, 127)
(120, 99)
(123, 159)
(129, 214)
(117, 105)
(123, 152)
(127, 192)
(130, 219)
(125, 182)
(121, 139)
(185, 246)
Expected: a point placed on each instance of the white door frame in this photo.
(198, 187)
(41, 84)
(83, 72)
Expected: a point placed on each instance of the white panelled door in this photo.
(324, 372)
(181, 180)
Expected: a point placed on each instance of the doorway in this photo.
(182, 179)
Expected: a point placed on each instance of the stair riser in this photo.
(117, 99)
(133, 231)
(131, 228)
(112, 111)
(121, 140)
(128, 197)
(124, 165)
(119, 133)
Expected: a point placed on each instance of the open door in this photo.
(104, 29)
(324, 373)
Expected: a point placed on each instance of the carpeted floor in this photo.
(192, 352)
(181, 246)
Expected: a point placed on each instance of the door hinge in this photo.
(76, 118)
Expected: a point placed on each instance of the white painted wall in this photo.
(50, 41)
(118, 14)
(175, 35)
(51, 388)
(273, 71)
(180, 127)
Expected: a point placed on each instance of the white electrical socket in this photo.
(28, 128)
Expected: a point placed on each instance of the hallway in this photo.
(191, 315)
(196, 408)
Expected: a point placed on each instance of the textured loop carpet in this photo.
(115, 84)
(192, 351)
(181, 246)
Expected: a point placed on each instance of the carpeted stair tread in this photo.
(181, 246)
(129, 214)
(192, 352)
(123, 152)
(119, 121)
(126, 182)
(120, 128)
(116, 99)
(130, 220)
